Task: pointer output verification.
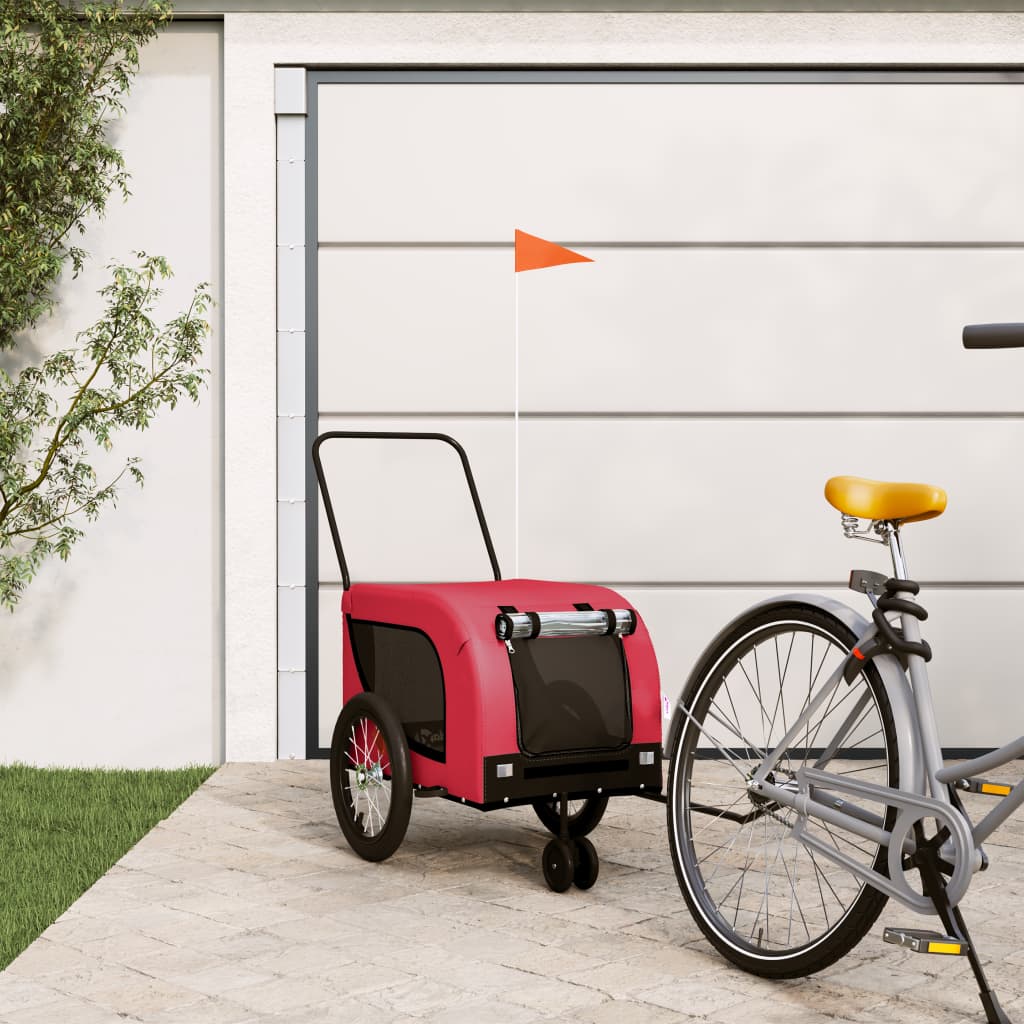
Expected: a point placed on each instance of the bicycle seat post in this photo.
(891, 533)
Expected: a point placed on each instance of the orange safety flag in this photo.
(533, 253)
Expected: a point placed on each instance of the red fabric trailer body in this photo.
(482, 707)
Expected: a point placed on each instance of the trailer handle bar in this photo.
(399, 436)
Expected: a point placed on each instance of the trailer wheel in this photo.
(587, 864)
(370, 777)
(559, 864)
(584, 814)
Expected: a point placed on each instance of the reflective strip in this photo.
(993, 789)
(949, 948)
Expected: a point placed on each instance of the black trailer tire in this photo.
(587, 864)
(558, 863)
(371, 779)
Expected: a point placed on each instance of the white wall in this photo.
(115, 657)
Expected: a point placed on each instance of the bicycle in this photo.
(806, 784)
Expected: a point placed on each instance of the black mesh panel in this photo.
(571, 694)
(402, 666)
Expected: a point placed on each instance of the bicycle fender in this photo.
(897, 687)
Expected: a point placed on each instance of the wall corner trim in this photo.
(289, 91)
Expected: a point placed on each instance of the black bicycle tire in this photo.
(865, 909)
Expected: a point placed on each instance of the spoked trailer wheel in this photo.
(765, 900)
(370, 777)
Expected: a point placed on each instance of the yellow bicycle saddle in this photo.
(872, 499)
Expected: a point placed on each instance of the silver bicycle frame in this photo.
(924, 781)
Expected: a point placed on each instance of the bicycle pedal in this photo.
(920, 941)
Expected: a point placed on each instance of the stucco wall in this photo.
(115, 657)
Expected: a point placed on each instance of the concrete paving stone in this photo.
(77, 929)
(483, 944)
(237, 911)
(680, 961)
(24, 993)
(629, 1011)
(401, 927)
(611, 947)
(880, 976)
(598, 915)
(341, 1011)
(551, 961)
(699, 997)
(172, 963)
(45, 956)
(491, 1012)
(332, 931)
(192, 870)
(779, 1009)
(223, 979)
(475, 976)
(348, 981)
(420, 997)
(172, 926)
(307, 958)
(126, 948)
(124, 991)
(677, 928)
(203, 1011)
(622, 979)
(553, 998)
(279, 995)
(255, 941)
(73, 1011)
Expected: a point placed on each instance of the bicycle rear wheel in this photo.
(764, 900)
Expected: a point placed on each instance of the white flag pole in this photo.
(515, 429)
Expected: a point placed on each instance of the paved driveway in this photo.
(246, 905)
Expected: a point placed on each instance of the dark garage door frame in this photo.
(619, 76)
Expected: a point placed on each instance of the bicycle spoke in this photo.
(750, 874)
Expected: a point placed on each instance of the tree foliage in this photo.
(53, 415)
(64, 69)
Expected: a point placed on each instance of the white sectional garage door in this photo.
(782, 266)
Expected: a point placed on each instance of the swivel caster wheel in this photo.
(587, 865)
(559, 864)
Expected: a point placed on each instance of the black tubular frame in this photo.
(400, 436)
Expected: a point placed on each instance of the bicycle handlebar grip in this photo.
(994, 336)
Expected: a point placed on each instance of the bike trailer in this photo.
(492, 693)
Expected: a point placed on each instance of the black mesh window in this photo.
(402, 666)
(571, 694)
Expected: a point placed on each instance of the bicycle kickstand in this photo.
(953, 921)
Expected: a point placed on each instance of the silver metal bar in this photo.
(899, 563)
(851, 719)
(808, 807)
(824, 797)
(930, 744)
(799, 725)
(564, 624)
(985, 763)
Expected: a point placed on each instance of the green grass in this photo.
(61, 829)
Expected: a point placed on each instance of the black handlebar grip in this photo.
(994, 336)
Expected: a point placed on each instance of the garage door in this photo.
(782, 265)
